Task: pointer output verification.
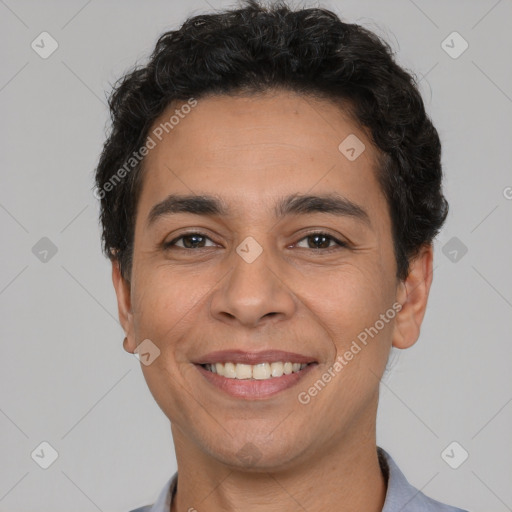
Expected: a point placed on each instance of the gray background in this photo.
(65, 378)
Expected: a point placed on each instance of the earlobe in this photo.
(413, 295)
(124, 306)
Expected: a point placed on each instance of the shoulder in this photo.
(402, 496)
(426, 504)
(163, 502)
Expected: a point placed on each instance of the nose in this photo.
(253, 292)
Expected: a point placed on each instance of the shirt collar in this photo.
(400, 493)
(163, 502)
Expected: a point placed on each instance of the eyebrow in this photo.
(294, 204)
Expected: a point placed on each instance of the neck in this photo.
(345, 477)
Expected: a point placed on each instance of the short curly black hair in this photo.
(257, 48)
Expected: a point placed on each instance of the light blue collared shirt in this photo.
(401, 496)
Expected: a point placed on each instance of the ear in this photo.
(413, 295)
(124, 306)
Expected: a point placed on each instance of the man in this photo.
(270, 193)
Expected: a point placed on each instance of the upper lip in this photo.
(265, 356)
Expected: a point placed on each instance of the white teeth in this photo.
(243, 371)
(229, 370)
(259, 371)
(276, 369)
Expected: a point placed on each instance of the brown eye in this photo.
(189, 241)
(321, 241)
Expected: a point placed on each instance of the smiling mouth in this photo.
(260, 371)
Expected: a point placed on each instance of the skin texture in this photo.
(251, 151)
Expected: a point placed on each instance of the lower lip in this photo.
(253, 389)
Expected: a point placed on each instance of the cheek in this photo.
(165, 301)
(350, 308)
(350, 300)
(163, 307)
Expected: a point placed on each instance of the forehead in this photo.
(221, 124)
(253, 147)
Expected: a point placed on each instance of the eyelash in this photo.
(341, 245)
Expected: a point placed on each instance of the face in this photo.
(262, 268)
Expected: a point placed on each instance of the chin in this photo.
(257, 455)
